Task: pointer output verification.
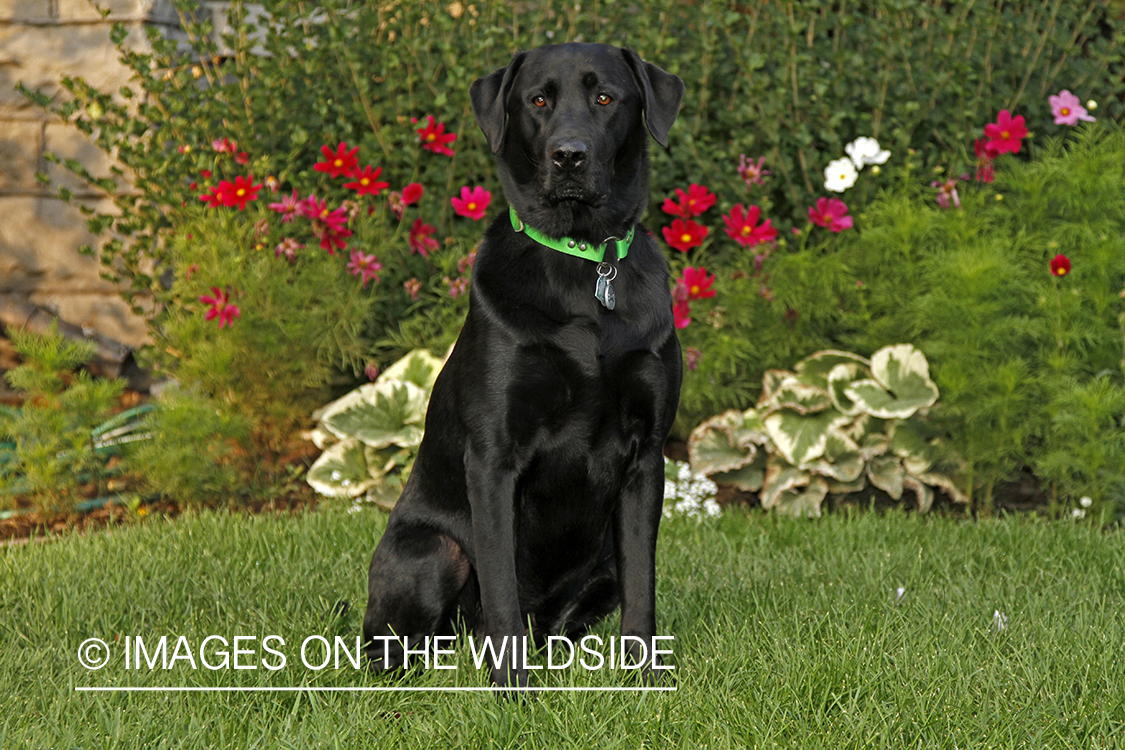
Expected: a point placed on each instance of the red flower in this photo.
(681, 313)
(412, 193)
(1060, 265)
(435, 138)
(220, 307)
(367, 266)
(829, 212)
(339, 162)
(472, 203)
(237, 193)
(985, 153)
(698, 283)
(213, 198)
(242, 158)
(366, 181)
(322, 217)
(684, 235)
(691, 204)
(333, 239)
(741, 226)
(420, 240)
(1006, 134)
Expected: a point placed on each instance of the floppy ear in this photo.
(489, 97)
(662, 93)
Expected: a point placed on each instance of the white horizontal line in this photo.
(289, 689)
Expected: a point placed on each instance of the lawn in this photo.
(788, 633)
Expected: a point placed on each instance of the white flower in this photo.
(840, 175)
(900, 594)
(1077, 513)
(864, 151)
(1091, 104)
(1086, 502)
(999, 620)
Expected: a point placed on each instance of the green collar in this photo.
(569, 246)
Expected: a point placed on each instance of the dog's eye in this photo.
(539, 101)
(604, 99)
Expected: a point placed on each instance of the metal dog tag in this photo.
(604, 290)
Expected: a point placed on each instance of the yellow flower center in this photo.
(1065, 111)
(338, 163)
(241, 192)
(1005, 135)
(746, 230)
(364, 181)
(695, 289)
(471, 206)
(430, 137)
(685, 237)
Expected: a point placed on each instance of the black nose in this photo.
(569, 155)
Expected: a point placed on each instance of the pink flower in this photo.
(456, 287)
(692, 357)
(472, 203)
(371, 371)
(339, 162)
(287, 207)
(220, 307)
(681, 314)
(1067, 109)
(690, 204)
(829, 212)
(288, 247)
(224, 145)
(367, 266)
(684, 234)
(986, 154)
(947, 192)
(322, 217)
(434, 137)
(412, 193)
(752, 173)
(412, 287)
(366, 181)
(698, 283)
(1007, 133)
(741, 226)
(420, 240)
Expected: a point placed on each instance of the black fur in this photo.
(537, 491)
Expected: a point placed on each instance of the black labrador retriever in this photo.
(538, 487)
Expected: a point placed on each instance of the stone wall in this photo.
(40, 268)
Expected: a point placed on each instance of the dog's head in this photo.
(567, 124)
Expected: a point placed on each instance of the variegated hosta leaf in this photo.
(386, 493)
(815, 368)
(800, 438)
(838, 379)
(752, 431)
(803, 502)
(946, 483)
(924, 494)
(749, 478)
(886, 473)
(341, 471)
(418, 367)
(841, 460)
(909, 442)
(713, 446)
(846, 488)
(380, 414)
(901, 384)
(771, 379)
(803, 398)
(780, 477)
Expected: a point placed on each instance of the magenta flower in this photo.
(412, 193)
(1067, 109)
(221, 307)
(681, 314)
(743, 228)
(367, 266)
(985, 154)
(1006, 134)
(287, 207)
(420, 240)
(830, 213)
(288, 247)
(472, 203)
(752, 173)
(947, 193)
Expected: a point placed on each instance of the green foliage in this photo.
(194, 453)
(371, 436)
(831, 426)
(55, 453)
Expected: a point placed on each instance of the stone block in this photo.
(119, 10)
(40, 56)
(20, 144)
(105, 313)
(34, 11)
(39, 241)
(67, 142)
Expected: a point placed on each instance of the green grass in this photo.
(787, 635)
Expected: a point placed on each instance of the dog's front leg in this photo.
(635, 526)
(491, 489)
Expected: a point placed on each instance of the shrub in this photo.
(56, 453)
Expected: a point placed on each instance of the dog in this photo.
(537, 492)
